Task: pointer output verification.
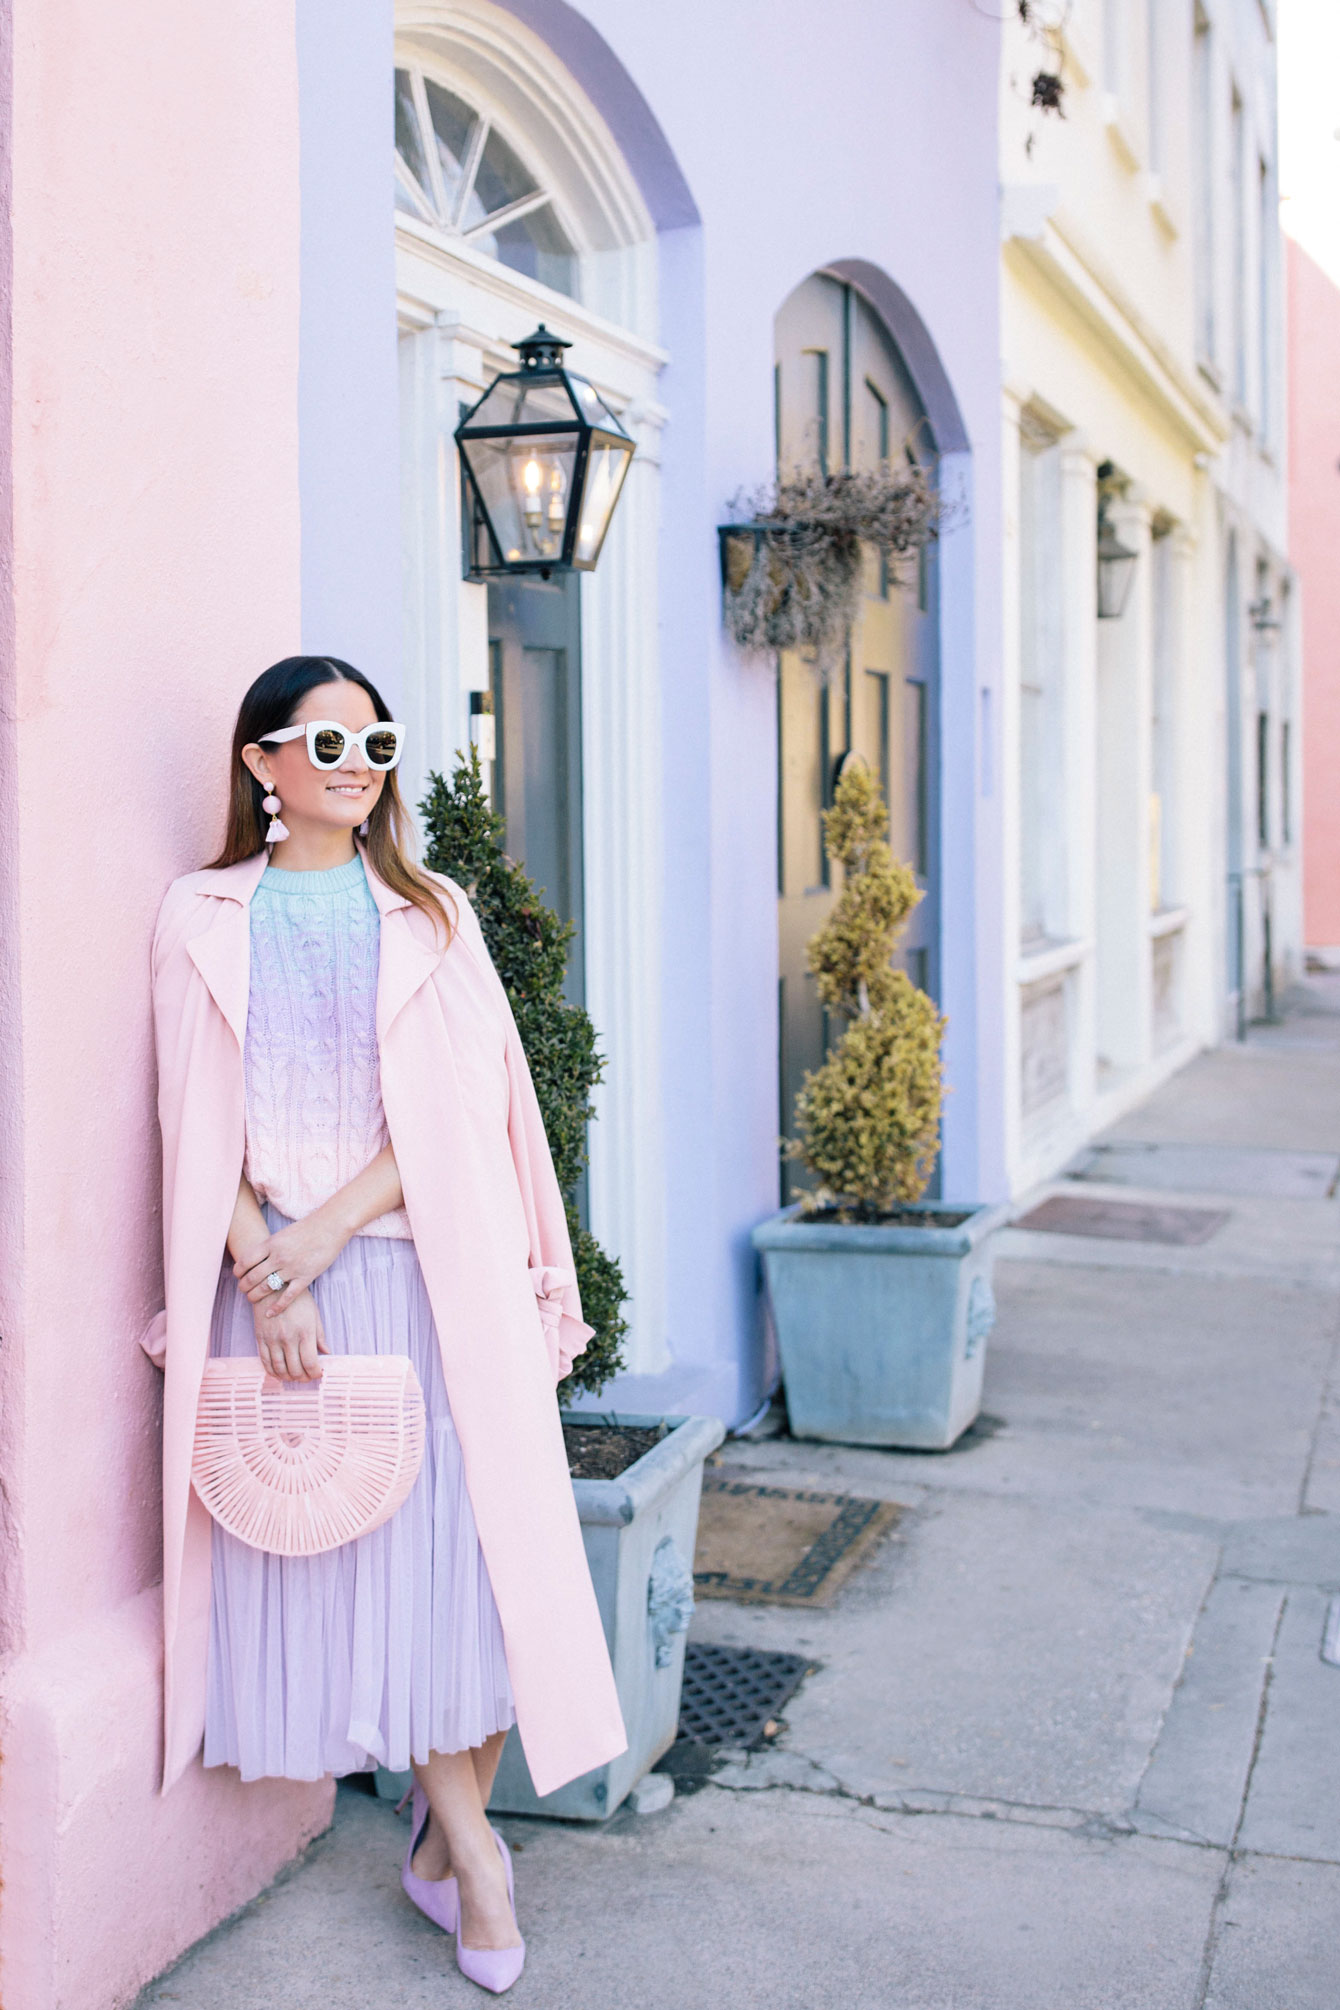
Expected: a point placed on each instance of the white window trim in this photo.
(459, 312)
(446, 218)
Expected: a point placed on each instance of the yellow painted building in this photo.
(1149, 737)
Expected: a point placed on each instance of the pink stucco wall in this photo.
(1314, 540)
(148, 568)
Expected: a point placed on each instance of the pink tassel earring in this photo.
(277, 831)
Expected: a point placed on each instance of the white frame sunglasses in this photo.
(349, 741)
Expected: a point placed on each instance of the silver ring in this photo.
(275, 1281)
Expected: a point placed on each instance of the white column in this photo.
(622, 829)
(1124, 1027)
(445, 616)
(1198, 867)
(1007, 778)
(1078, 779)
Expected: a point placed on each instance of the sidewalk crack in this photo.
(1328, 1389)
(1235, 1854)
(784, 1771)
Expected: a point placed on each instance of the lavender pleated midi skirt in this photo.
(385, 1649)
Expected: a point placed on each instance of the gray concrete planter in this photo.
(881, 1330)
(640, 1533)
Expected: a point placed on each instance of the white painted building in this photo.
(1150, 760)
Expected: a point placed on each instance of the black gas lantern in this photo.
(545, 459)
(1116, 561)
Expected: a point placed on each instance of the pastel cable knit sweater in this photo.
(313, 1078)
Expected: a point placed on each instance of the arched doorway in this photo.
(844, 398)
(513, 206)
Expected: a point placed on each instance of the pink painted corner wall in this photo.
(1314, 540)
(149, 567)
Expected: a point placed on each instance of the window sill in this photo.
(1050, 959)
(1169, 920)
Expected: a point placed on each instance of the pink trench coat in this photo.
(492, 1241)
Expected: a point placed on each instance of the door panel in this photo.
(844, 399)
(535, 673)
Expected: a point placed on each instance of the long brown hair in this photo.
(267, 708)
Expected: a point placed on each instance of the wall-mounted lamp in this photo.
(1261, 613)
(545, 459)
(1116, 561)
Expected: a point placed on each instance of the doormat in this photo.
(781, 1545)
(732, 1695)
(1124, 1220)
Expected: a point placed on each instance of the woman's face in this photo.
(330, 797)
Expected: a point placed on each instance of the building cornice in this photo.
(1052, 249)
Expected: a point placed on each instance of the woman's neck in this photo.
(313, 848)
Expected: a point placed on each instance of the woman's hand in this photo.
(290, 1343)
(299, 1253)
(305, 1248)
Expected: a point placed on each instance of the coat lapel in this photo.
(222, 952)
(407, 960)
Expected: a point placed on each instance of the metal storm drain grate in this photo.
(731, 1693)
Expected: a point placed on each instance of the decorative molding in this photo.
(459, 263)
(634, 127)
(514, 71)
(1026, 208)
(1074, 272)
(1161, 206)
(1123, 143)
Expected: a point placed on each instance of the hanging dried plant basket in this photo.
(791, 573)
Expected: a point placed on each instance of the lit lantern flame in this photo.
(532, 508)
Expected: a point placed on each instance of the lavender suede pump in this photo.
(494, 1968)
(438, 1898)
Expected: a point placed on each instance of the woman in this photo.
(345, 1105)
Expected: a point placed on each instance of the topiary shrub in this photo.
(529, 946)
(868, 1120)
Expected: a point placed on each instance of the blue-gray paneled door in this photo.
(844, 399)
(536, 682)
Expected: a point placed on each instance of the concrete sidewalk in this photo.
(1071, 1743)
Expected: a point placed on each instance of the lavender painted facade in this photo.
(872, 159)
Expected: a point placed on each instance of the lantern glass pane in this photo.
(606, 467)
(1114, 583)
(525, 485)
(593, 407)
(517, 401)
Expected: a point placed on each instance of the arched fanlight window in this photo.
(455, 170)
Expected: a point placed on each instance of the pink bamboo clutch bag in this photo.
(296, 1468)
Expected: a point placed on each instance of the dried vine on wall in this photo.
(793, 573)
